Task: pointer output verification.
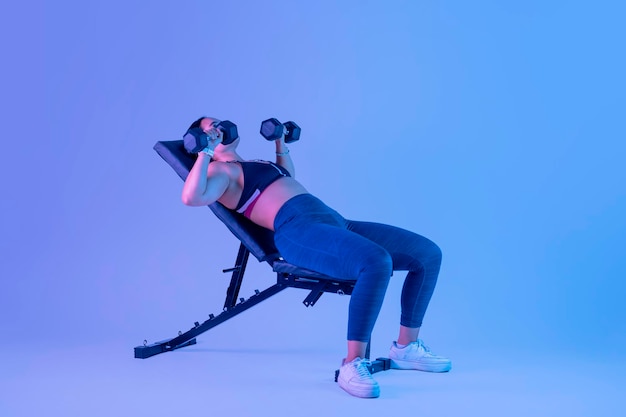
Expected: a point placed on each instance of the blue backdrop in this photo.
(494, 128)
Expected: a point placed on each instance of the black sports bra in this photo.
(257, 176)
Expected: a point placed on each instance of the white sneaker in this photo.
(356, 379)
(419, 357)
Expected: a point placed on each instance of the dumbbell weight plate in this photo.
(293, 132)
(229, 131)
(195, 140)
(271, 129)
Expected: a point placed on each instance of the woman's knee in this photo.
(435, 253)
(426, 254)
(377, 260)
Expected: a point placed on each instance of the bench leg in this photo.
(188, 338)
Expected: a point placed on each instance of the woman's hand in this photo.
(204, 186)
(281, 146)
(285, 131)
(216, 137)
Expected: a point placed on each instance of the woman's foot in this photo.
(417, 356)
(356, 379)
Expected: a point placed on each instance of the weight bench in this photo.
(259, 242)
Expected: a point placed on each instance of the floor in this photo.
(210, 378)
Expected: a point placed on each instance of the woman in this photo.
(311, 235)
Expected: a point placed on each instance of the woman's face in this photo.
(208, 123)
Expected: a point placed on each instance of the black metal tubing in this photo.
(143, 352)
(237, 277)
(378, 365)
(315, 294)
(182, 340)
(317, 287)
(232, 308)
(338, 287)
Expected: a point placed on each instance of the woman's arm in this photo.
(282, 156)
(204, 185)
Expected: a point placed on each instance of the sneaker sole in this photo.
(425, 367)
(373, 392)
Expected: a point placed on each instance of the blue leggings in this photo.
(312, 235)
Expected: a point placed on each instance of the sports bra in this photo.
(257, 176)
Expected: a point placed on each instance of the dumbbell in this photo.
(196, 140)
(272, 129)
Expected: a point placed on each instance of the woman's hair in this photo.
(196, 123)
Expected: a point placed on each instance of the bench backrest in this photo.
(258, 240)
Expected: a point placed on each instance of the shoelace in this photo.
(423, 347)
(362, 369)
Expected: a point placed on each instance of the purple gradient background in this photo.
(494, 129)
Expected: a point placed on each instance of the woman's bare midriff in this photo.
(273, 198)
